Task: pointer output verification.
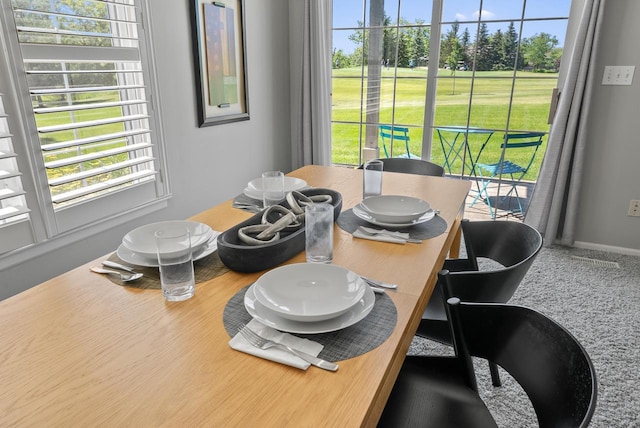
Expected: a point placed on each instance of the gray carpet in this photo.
(599, 303)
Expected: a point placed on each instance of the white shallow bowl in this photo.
(143, 242)
(395, 208)
(270, 318)
(254, 187)
(309, 292)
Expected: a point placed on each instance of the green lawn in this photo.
(489, 109)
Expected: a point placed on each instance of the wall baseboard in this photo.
(607, 248)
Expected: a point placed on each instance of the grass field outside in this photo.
(402, 102)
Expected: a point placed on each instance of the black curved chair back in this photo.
(412, 166)
(548, 362)
(513, 245)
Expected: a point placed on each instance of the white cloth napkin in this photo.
(379, 237)
(239, 343)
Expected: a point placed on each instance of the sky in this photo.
(347, 13)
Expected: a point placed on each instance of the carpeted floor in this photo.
(596, 296)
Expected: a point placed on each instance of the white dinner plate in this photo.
(309, 292)
(268, 317)
(361, 213)
(151, 261)
(142, 239)
(254, 187)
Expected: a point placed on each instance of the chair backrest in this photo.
(393, 134)
(522, 140)
(512, 244)
(548, 362)
(412, 166)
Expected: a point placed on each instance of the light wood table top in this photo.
(79, 350)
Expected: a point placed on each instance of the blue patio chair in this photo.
(394, 134)
(518, 152)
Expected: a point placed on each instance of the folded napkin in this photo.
(239, 343)
(382, 237)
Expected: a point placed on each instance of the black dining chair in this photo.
(548, 362)
(511, 247)
(411, 166)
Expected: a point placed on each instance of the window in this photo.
(82, 81)
(464, 66)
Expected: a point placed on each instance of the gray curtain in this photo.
(554, 202)
(310, 65)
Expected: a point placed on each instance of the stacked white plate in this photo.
(309, 298)
(254, 187)
(139, 247)
(394, 211)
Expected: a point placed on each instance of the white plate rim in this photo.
(201, 240)
(363, 206)
(297, 267)
(136, 259)
(271, 319)
(360, 213)
(290, 184)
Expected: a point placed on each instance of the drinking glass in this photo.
(176, 263)
(372, 178)
(272, 188)
(318, 220)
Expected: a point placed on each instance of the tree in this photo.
(537, 51)
(340, 60)
(448, 41)
(483, 50)
(420, 44)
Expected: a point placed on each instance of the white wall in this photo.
(206, 165)
(612, 169)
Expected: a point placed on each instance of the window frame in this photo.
(51, 228)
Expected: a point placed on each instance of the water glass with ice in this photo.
(319, 233)
(372, 178)
(272, 188)
(176, 263)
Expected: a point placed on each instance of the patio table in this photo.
(456, 145)
(79, 350)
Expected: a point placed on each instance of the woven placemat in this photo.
(206, 268)
(349, 222)
(349, 342)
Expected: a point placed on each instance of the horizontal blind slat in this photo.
(73, 53)
(13, 211)
(97, 155)
(7, 155)
(78, 193)
(75, 107)
(83, 89)
(10, 193)
(77, 125)
(100, 170)
(68, 33)
(95, 139)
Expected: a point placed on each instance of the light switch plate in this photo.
(618, 74)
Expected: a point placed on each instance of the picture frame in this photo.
(220, 61)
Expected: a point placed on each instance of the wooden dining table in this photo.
(79, 350)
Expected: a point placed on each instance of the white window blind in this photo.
(80, 75)
(14, 213)
(88, 94)
(86, 81)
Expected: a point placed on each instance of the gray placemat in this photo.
(204, 269)
(349, 342)
(349, 222)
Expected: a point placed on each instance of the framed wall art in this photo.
(220, 61)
